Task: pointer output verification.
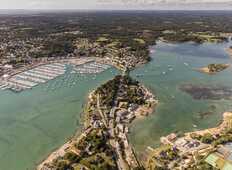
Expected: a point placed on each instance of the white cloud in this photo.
(165, 1)
(115, 4)
(170, 4)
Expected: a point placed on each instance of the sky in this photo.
(118, 4)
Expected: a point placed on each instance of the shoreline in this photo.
(208, 71)
(229, 51)
(204, 70)
(27, 77)
(73, 60)
(191, 148)
(60, 151)
(141, 111)
(227, 117)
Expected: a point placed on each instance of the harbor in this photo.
(42, 74)
(60, 100)
(91, 68)
(31, 78)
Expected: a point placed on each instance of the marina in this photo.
(60, 100)
(91, 68)
(44, 73)
(33, 77)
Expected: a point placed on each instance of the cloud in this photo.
(115, 4)
(170, 4)
(164, 1)
(39, 4)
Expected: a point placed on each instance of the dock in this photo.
(91, 68)
(33, 77)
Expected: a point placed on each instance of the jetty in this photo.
(33, 77)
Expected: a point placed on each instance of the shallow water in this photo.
(171, 66)
(35, 122)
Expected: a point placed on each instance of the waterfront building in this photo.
(221, 158)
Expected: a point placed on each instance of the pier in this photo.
(33, 77)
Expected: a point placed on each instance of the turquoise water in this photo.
(177, 111)
(35, 122)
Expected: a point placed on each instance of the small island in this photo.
(213, 68)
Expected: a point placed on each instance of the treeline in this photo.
(123, 27)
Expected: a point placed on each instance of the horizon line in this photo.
(85, 9)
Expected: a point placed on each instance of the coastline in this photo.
(207, 70)
(55, 110)
(204, 70)
(225, 123)
(140, 111)
(229, 51)
(73, 60)
(190, 149)
(144, 110)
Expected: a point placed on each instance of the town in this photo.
(104, 142)
(204, 150)
(40, 47)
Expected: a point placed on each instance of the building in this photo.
(221, 158)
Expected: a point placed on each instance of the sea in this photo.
(35, 122)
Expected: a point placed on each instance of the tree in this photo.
(207, 138)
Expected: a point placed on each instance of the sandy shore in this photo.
(226, 123)
(229, 51)
(60, 152)
(142, 111)
(204, 70)
(54, 155)
(145, 110)
(207, 71)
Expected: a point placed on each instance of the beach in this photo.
(229, 51)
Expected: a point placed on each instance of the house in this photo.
(8, 66)
(170, 139)
(131, 117)
(219, 162)
(123, 105)
(221, 158)
(132, 107)
(122, 112)
(120, 127)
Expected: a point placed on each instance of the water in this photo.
(35, 122)
(171, 66)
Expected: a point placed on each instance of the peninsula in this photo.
(37, 48)
(103, 144)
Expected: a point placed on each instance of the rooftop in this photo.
(222, 158)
